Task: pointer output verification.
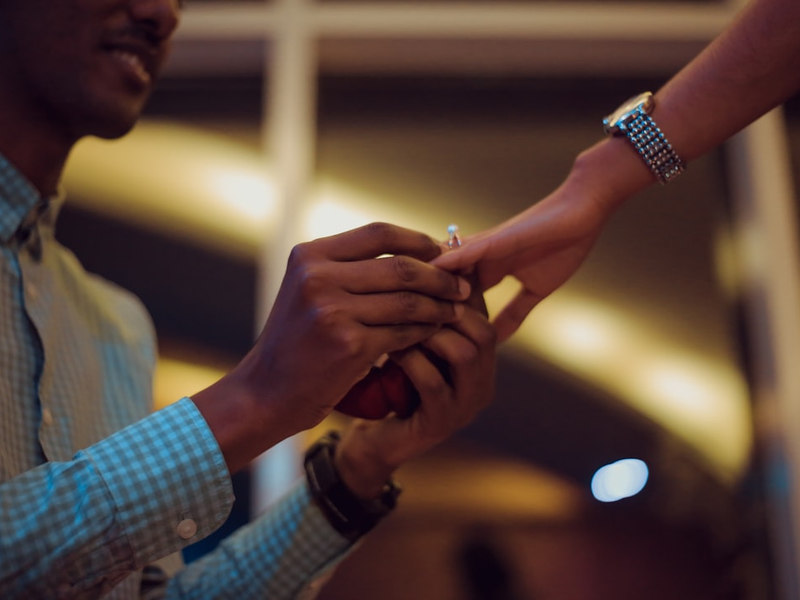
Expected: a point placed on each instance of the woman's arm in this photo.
(752, 67)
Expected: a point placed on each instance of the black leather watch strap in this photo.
(348, 514)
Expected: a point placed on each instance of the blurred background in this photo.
(643, 439)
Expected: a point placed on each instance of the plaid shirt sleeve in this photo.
(287, 553)
(75, 529)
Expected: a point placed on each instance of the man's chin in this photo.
(114, 132)
(111, 121)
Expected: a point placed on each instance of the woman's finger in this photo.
(513, 314)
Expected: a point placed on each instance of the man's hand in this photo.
(340, 307)
(450, 398)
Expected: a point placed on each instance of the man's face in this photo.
(84, 67)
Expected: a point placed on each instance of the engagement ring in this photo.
(453, 240)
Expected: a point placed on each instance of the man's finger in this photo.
(403, 308)
(399, 273)
(377, 239)
(400, 338)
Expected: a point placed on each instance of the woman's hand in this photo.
(541, 247)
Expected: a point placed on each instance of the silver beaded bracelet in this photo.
(632, 119)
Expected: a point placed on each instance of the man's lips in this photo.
(140, 60)
(135, 65)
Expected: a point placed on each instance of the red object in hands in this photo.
(384, 390)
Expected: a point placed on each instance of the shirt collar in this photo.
(21, 205)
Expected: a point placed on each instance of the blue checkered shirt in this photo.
(93, 487)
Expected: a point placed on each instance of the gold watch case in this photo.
(616, 122)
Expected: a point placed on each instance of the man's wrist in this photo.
(361, 470)
(241, 424)
(352, 516)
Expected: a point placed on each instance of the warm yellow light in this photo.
(182, 181)
(246, 193)
(703, 401)
(214, 191)
(445, 480)
(700, 400)
(175, 378)
(335, 207)
(691, 387)
(329, 217)
(578, 330)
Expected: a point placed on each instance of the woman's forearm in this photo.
(748, 70)
(751, 68)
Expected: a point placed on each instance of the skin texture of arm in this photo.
(751, 68)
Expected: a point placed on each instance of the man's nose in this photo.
(161, 16)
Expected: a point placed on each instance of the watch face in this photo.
(616, 120)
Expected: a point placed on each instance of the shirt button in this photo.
(33, 291)
(47, 417)
(186, 529)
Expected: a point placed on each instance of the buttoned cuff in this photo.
(168, 480)
(288, 552)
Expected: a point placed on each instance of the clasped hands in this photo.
(345, 302)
